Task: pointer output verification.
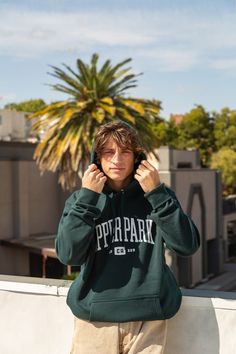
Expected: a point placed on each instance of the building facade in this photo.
(14, 126)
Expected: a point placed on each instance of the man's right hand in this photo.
(94, 179)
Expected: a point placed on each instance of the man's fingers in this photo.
(99, 174)
(92, 167)
(140, 171)
(141, 168)
(144, 167)
(147, 164)
(94, 179)
(103, 179)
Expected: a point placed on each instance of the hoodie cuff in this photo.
(87, 196)
(157, 196)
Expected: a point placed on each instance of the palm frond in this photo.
(84, 71)
(119, 65)
(122, 84)
(67, 128)
(105, 68)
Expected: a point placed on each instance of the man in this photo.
(116, 227)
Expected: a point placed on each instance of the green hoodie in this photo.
(119, 239)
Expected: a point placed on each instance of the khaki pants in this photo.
(119, 338)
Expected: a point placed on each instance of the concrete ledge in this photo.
(204, 298)
(34, 285)
(35, 319)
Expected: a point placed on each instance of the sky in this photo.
(185, 50)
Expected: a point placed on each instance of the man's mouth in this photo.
(116, 168)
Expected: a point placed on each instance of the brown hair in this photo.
(122, 133)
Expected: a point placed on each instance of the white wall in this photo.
(204, 325)
(13, 124)
(34, 318)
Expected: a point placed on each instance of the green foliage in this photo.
(71, 276)
(96, 96)
(214, 134)
(161, 132)
(196, 130)
(225, 129)
(29, 106)
(166, 133)
(225, 161)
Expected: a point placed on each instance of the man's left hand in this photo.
(147, 176)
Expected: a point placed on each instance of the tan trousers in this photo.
(147, 337)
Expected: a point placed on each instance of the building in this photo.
(199, 192)
(14, 126)
(30, 208)
(229, 228)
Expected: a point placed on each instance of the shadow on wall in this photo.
(195, 330)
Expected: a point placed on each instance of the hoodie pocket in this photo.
(135, 309)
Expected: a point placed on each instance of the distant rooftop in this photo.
(176, 118)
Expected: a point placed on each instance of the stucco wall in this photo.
(34, 318)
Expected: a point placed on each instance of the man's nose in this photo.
(116, 157)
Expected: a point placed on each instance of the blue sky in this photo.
(186, 50)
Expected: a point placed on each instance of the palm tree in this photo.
(67, 128)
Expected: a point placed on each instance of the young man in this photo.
(116, 227)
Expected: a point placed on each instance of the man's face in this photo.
(117, 163)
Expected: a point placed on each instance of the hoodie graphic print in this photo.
(119, 239)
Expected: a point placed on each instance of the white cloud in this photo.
(34, 33)
(224, 64)
(7, 97)
(171, 59)
(176, 40)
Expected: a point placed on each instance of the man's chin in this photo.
(118, 177)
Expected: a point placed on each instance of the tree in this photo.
(96, 96)
(196, 130)
(29, 106)
(225, 128)
(225, 161)
(166, 133)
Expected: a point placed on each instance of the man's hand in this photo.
(147, 176)
(94, 179)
